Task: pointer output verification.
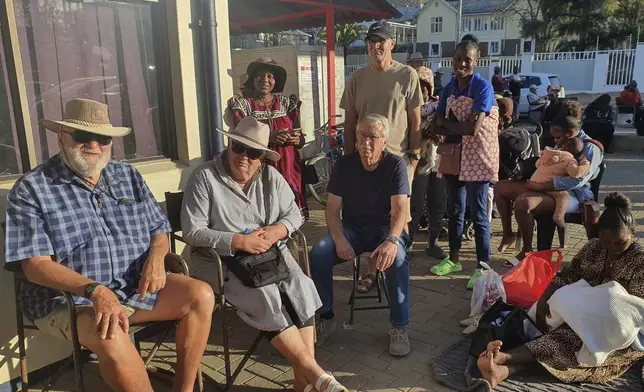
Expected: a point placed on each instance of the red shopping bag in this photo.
(525, 283)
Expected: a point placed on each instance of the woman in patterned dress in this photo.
(612, 257)
(263, 100)
(467, 107)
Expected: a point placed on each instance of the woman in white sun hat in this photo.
(225, 211)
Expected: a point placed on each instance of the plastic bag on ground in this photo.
(487, 290)
(525, 283)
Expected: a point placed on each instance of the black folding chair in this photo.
(298, 247)
(381, 286)
(173, 263)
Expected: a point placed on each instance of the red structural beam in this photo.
(340, 7)
(330, 62)
(282, 17)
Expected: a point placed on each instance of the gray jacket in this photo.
(214, 209)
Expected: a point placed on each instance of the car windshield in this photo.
(530, 80)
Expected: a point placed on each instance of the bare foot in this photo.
(506, 242)
(490, 371)
(494, 347)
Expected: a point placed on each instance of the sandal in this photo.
(332, 386)
(366, 283)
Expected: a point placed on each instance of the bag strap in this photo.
(266, 191)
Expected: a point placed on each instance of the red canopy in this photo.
(265, 16)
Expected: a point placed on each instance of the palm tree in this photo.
(345, 35)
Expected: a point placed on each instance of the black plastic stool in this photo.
(381, 287)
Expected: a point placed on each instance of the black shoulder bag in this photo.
(262, 269)
(501, 322)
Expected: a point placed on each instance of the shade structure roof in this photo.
(266, 16)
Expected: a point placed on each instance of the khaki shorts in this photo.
(58, 322)
(410, 178)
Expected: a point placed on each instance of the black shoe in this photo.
(435, 252)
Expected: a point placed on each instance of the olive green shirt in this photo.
(390, 93)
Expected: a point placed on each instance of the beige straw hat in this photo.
(86, 115)
(253, 134)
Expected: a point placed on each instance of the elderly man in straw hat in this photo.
(83, 223)
(238, 206)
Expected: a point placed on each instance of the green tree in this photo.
(628, 20)
(540, 20)
(345, 35)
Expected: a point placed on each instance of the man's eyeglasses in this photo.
(374, 41)
(251, 153)
(82, 137)
(371, 137)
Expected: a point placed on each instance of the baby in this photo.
(429, 156)
(561, 163)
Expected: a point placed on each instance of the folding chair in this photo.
(298, 247)
(381, 286)
(173, 263)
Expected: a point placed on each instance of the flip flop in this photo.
(366, 283)
(332, 386)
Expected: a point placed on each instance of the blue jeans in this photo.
(473, 195)
(324, 258)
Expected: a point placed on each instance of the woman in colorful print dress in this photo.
(263, 100)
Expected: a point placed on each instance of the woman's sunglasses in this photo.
(251, 153)
(82, 137)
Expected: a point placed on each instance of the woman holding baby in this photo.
(468, 118)
(540, 197)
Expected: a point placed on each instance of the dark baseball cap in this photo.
(380, 29)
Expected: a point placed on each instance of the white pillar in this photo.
(434, 65)
(526, 62)
(601, 72)
(638, 70)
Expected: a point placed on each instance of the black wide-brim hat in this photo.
(279, 73)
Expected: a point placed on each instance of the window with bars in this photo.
(497, 23)
(467, 24)
(436, 24)
(494, 48)
(435, 50)
(480, 24)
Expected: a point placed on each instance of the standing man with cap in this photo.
(515, 84)
(391, 89)
(83, 223)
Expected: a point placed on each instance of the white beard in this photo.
(82, 165)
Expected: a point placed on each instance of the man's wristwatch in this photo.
(89, 290)
(393, 240)
(413, 156)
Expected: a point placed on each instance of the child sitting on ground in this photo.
(561, 163)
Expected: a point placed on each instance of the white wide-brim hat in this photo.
(86, 115)
(253, 134)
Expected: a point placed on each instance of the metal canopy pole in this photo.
(330, 61)
(211, 64)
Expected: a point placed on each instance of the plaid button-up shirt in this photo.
(102, 233)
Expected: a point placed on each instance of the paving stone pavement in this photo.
(357, 354)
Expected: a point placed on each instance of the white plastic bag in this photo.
(487, 290)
